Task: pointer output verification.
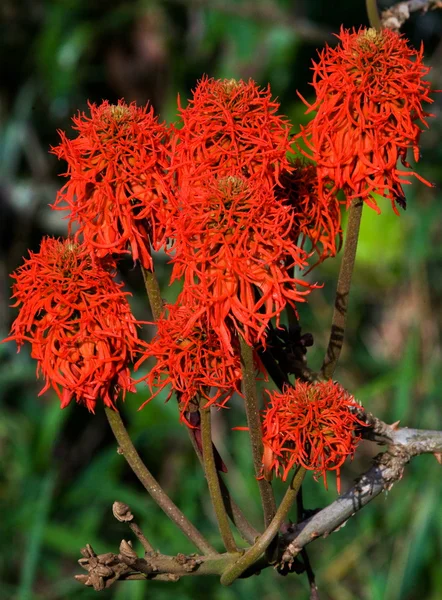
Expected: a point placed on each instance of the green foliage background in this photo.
(59, 471)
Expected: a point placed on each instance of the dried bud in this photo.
(122, 512)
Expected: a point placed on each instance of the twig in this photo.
(255, 432)
(263, 542)
(213, 481)
(122, 513)
(343, 290)
(387, 470)
(152, 485)
(395, 16)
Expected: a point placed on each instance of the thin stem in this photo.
(255, 432)
(343, 290)
(152, 485)
(262, 543)
(153, 293)
(246, 530)
(373, 14)
(213, 481)
(141, 537)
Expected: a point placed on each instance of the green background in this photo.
(59, 470)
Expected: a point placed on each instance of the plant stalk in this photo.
(151, 484)
(255, 432)
(153, 293)
(337, 330)
(246, 530)
(373, 14)
(263, 542)
(213, 480)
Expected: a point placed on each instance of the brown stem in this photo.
(255, 432)
(213, 480)
(343, 290)
(373, 14)
(153, 293)
(152, 485)
(263, 542)
(246, 530)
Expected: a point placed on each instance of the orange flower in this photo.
(369, 95)
(191, 358)
(79, 323)
(310, 425)
(236, 252)
(117, 183)
(232, 126)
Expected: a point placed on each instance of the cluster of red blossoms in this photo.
(312, 426)
(239, 215)
(78, 321)
(369, 94)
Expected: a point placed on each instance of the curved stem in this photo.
(151, 484)
(246, 530)
(343, 290)
(254, 423)
(262, 543)
(373, 14)
(213, 481)
(153, 293)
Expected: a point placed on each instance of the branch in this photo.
(337, 330)
(103, 570)
(388, 469)
(152, 485)
(395, 16)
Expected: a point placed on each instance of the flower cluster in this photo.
(310, 425)
(117, 186)
(232, 126)
(190, 357)
(369, 95)
(78, 321)
(236, 251)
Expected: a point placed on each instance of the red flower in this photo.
(191, 358)
(317, 216)
(369, 95)
(232, 126)
(78, 322)
(310, 425)
(236, 252)
(117, 184)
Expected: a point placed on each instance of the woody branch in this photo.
(403, 445)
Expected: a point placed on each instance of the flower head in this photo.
(117, 181)
(236, 252)
(310, 425)
(369, 95)
(79, 324)
(191, 358)
(230, 126)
